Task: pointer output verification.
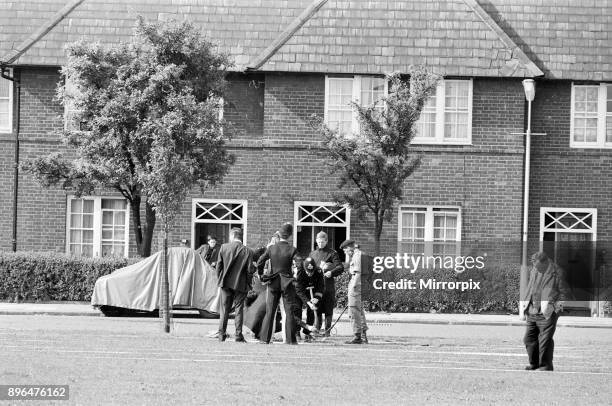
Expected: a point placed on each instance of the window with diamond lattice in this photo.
(216, 218)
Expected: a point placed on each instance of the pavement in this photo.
(85, 309)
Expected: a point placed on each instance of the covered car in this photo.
(193, 284)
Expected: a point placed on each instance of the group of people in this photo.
(276, 272)
(253, 283)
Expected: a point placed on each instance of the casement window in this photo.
(341, 91)
(217, 218)
(429, 230)
(72, 120)
(446, 117)
(591, 124)
(6, 105)
(97, 226)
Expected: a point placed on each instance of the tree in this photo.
(374, 163)
(156, 96)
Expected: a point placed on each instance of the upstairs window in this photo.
(591, 125)
(341, 91)
(6, 104)
(446, 117)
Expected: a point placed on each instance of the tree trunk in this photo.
(136, 222)
(148, 230)
(378, 226)
(165, 287)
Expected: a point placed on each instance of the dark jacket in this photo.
(281, 257)
(328, 255)
(234, 266)
(304, 282)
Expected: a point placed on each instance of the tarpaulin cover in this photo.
(193, 283)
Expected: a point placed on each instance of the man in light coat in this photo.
(356, 313)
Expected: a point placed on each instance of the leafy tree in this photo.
(373, 164)
(145, 106)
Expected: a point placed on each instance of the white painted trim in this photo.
(11, 100)
(601, 118)
(543, 229)
(243, 221)
(296, 223)
(440, 114)
(429, 212)
(97, 222)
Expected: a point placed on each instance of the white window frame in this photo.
(9, 129)
(601, 117)
(327, 205)
(572, 229)
(356, 96)
(97, 222)
(428, 240)
(440, 116)
(195, 220)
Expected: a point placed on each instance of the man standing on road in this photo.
(540, 305)
(356, 313)
(280, 279)
(328, 261)
(234, 269)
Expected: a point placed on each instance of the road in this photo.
(131, 361)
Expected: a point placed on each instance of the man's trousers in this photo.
(539, 340)
(273, 297)
(229, 297)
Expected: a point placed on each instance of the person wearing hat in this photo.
(356, 313)
(309, 287)
(280, 283)
(540, 305)
(328, 260)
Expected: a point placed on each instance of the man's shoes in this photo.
(531, 367)
(364, 338)
(308, 338)
(262, 342)
(544, 368)
(240, 339)
(356, 340)
(223, 337)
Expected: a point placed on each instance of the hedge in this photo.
(498, 293)
(31, 276)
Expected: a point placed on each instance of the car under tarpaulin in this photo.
(193, 283)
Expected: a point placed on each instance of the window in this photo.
(311, 217)
(429, 230)
(446, 117)
(6, 104)
(217, 217)
(591, 125)
(341, 91)
(97, 226)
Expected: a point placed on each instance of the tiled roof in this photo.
(385, 36)
(454, 37)
(567, 39)
(243, 28)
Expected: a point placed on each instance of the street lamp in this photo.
(529, 88)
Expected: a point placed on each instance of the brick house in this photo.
(303, 57)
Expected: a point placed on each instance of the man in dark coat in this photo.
(281, 256)
(328, 260)
(541, 304)
(234, 269)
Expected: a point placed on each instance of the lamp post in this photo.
(529, 88)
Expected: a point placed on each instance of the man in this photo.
(356, 313)
(210, 251)
(540, 306)
(280, 283)
(328, 261)
(309, 286)
(234, 269)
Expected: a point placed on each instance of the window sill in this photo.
(416, 141)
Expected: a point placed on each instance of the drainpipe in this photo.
(17, 105)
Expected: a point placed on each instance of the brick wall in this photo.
(566, 177)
